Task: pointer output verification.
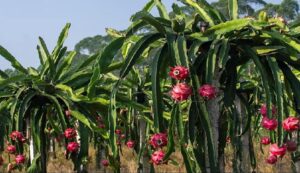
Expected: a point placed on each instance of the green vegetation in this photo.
(120, 88)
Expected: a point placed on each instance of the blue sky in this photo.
(23, 21)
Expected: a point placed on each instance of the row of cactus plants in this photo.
(197, 78)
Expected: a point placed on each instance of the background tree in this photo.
(92, 45)
(245, 6)
(289, 9)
